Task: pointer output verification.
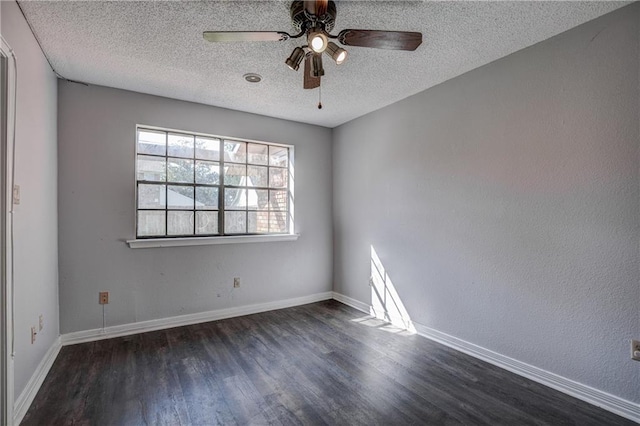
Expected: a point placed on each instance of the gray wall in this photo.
(97, 211)
(504, 204)
(35, 218)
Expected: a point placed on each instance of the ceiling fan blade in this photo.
(316, 7)
(310, 82)
(395, 40)
(215, 36)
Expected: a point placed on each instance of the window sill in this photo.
(205, 241)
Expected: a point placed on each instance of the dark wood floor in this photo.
(312, 364)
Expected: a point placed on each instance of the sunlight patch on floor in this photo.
(373, 322)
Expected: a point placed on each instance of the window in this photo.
(193, 185)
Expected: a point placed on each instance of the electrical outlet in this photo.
(16, 194)
(236, 282)
(33, 335)
(635, 350)
(104, 297)
(40, 322)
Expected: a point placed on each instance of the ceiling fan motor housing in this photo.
(301, 21)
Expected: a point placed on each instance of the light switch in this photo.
(16, 194)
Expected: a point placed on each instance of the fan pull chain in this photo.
(320, 97)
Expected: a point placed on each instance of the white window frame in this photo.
(171, 241)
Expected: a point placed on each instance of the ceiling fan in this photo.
(315, 19)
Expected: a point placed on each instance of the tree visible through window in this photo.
(196, 185)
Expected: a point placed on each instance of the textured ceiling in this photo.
(156, 47)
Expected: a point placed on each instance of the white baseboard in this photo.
(356, 304)
(612, 403)
(604, 400)
(396, 320)
(178, 321)
(23, 402)
(578, 390)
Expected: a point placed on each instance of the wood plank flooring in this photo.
(313, 364)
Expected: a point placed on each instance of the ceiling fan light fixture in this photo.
(296, 57)
(314, 21)
(317, 70)
(317, 41)
(337, 53)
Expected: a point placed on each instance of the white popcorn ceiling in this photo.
(156, 47)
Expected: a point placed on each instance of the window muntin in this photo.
(190, 185)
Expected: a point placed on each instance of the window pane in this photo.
(152, 168)
(278, 178)
(235, 152)
(180, 197)
(207, 149)
(235, 198)
(150, 142)
(278, 200)
(206, 222)
(277, 222)
(179, 170)
(180, 190)
(257, 154)
(150, 223)
(258, 222)
(278, 156)
(206, 197)
(180, 145)
(257, 176)
(151, 196)
(257, 199)
(235, 222)
(179, 223)
(235, 175)
(207, 172)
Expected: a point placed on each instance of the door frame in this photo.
(8, 83)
